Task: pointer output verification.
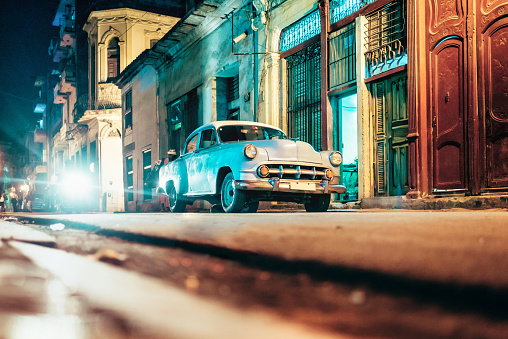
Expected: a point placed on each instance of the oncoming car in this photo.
(238, 164)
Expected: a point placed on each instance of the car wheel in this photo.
(176, 204)
(318, 203)
(233, 200)
(251, 207)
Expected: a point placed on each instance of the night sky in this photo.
(25, 34)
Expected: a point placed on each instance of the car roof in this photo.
(218, 124)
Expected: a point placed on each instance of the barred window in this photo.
(386, 38)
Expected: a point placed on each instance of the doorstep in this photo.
(436, 203)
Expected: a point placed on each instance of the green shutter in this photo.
(380, 116)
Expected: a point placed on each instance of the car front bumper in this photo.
(290, 186)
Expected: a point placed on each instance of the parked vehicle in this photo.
(239, 163)
(39, 203)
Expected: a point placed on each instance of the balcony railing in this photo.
(109, 98)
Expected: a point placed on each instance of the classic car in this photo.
(238, 164)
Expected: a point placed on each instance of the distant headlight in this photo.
(250, 151)
(336, 158)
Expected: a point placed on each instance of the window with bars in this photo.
(233, 93)
(130, 178)
(147, 168)
(128, 110)
(342, 67)
(386, 38)
(304, 95)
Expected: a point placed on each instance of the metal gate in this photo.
(304, 95)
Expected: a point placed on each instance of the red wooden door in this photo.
(493, 90)
(447, 85)
(448, 135)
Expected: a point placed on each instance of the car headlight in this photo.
(335, 158)
(250, 151)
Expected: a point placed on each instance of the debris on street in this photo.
(57, 227)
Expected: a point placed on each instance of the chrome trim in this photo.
(278, 185)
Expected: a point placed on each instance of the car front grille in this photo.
(297, 172)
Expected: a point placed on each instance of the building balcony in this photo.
(40, 105)
(39, 135)
(63, 89)
(59, 52)
(67, 27)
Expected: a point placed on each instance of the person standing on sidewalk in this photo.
(3, 198)
(14, 200)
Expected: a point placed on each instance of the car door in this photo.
(204, 172)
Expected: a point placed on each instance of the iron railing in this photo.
(301, 31)
(339, 9)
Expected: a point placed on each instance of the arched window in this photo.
(113, 59)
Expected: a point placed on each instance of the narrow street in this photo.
(386, 274)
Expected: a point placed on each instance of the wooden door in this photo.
(448, 135)
(447, 81)
(391, 129)
(493, 90)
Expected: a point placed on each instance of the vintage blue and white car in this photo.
(239, 163)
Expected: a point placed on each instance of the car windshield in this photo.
(235, 133)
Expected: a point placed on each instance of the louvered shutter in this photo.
(380, 153)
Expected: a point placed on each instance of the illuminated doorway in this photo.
(347, 144)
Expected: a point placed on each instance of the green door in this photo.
(389, 104)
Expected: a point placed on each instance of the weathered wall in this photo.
(144, 125)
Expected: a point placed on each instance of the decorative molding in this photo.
(490, 14)
(114, 133)
(454, 30)
(111, 32)
(158, 33)
(445, 13)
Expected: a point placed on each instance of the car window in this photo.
(191, 145)
(208, 138)
(234, 133)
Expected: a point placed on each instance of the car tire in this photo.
(233, 200)
(176, 204)
(318, 203)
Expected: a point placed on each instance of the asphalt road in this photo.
(393, 274)
(458, 247)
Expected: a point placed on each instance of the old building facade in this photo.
(412, 93)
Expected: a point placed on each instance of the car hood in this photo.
(288, 150)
